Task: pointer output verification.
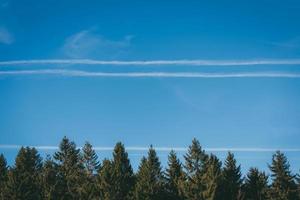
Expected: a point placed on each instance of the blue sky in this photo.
(258, 41)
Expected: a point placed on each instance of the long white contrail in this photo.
(154, 62)
(78, 73)
(162, 149)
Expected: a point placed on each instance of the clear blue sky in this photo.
(249, 112)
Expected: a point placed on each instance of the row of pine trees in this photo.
(77, 174)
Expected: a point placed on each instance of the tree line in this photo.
(73, 173)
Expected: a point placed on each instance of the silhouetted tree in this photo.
(70, 169)
(194, 165)
(232, 180)
(150, 180)
(283, 186)
(50, 180)
(91, 166)
(24, 178)
(105, 180)
(122, 173)
(3, 174)
(175, 177)
(212, 179)
(256, 185)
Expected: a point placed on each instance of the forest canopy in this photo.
(73, 173)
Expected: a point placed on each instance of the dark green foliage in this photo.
(50, 180)
(90, 159)
(122, 173)
(105, 180)
(175, 177)
(212, 179)
(232, 180)
(256, 185)
(24, 178)
(150, 180)
(283, 186)
(3, 174)
(195, 168)
(70, 170)
(77, 175)
(91, 166)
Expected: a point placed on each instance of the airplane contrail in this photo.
(78, 73)
(196, 62)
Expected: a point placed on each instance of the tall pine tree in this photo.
(24, 178)
(91, 166)
(212, 179)
(3, 175)
(256, 185)
(175, 177)
(232, 180)
(283, 186)
(70, 170)
(150, 180)
(105, 180)
(50, 180)
(194, 165)
(122, 173)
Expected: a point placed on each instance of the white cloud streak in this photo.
(78, 73)
(163, 149)
(154, 62)
(88, 43)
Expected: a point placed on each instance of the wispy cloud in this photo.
(163, 149)
(78, 73)
(155, 62)
(88, 43)
(293, 43)
(5, 36)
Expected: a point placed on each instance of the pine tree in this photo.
(50, 180)
(175, 177)
(283, 186)
(194, 165)
(70, 169)
(150, 180)
(91, 166)
(90, 159)
(256, 185)
(212, 179)
(105, 180)
(122, 173)
(232, 180)
(298, 184)
(23, 180)
(3, 175)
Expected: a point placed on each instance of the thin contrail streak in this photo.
(78, 73)
(163, 149)
(154, 62)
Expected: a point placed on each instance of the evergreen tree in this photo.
(150, 180)
(212, 179)
(105, 180)
(90, 159)
(70, 170)
(3, 174)
(91, 166)
(23, 180)
(175, 177)
(194, 164)
(122, 173)
(283, 186)
(256, 185)
(50, 180)
(232, 180)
